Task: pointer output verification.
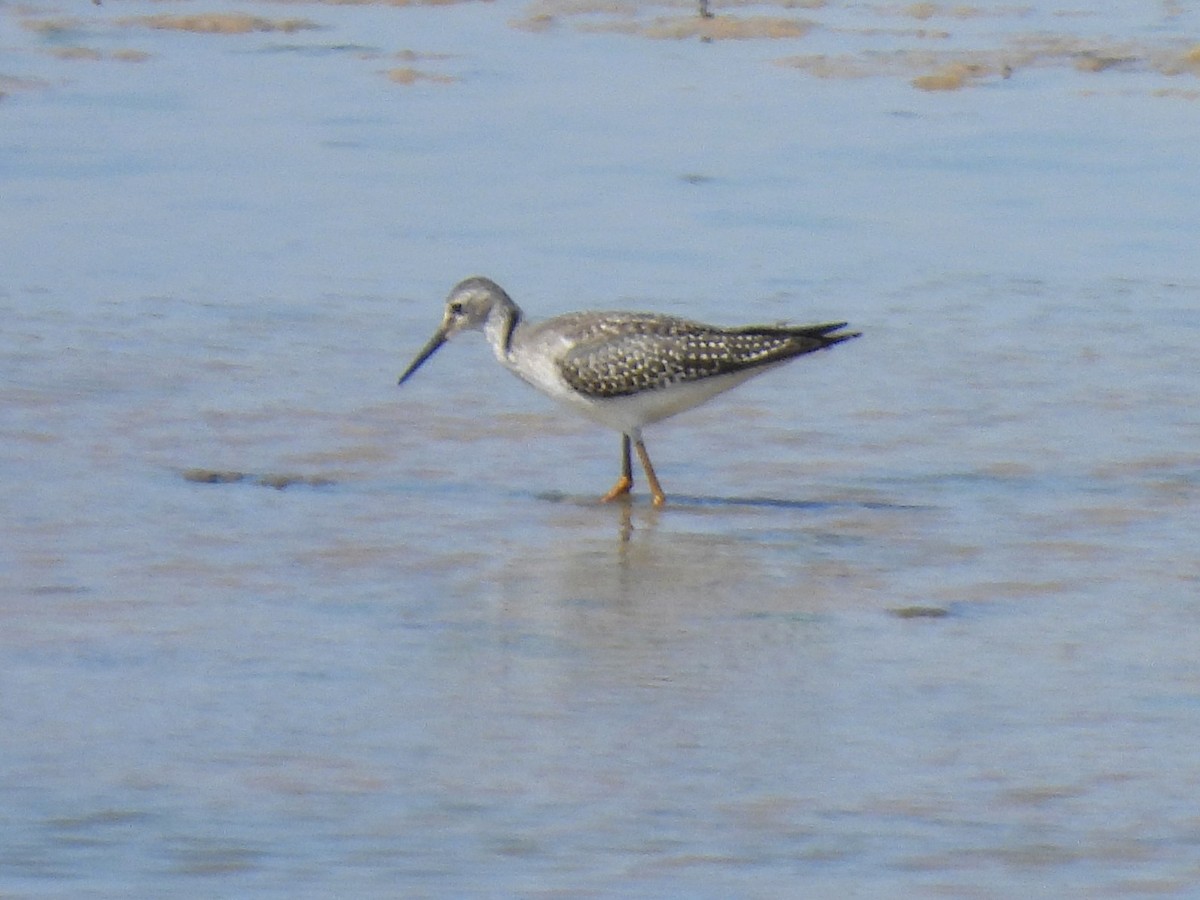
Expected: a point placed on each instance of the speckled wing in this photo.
(623, 354)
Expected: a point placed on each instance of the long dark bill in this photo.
(436, 341)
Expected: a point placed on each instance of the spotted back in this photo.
(616, 355)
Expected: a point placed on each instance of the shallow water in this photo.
(918, 620)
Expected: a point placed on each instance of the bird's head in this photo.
(471, 305)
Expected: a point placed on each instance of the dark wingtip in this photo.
(826, 333)
(845, 336)
(826, 329)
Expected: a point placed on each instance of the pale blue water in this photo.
(433, 667)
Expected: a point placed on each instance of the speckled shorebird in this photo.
(622, 369)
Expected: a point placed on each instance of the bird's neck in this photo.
(501, 325)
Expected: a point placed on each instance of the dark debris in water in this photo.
(212, 476)
(920, 612)
(279, 481)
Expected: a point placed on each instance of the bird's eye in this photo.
(456, 308)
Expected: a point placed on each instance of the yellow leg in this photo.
(625, 482)
(656, 491)
(620, 489)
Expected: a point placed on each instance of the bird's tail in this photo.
(827, 333)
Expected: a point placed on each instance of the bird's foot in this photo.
(620, 489)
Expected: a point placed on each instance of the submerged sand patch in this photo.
(409, 75)
(86, 53)
(220, 23)
(888, 39)
(950, 77)
(12, 83)
(682, 21)
(949, 70)
(91, 54)
(933, 46)
(382, 2)
(716, 28)
(53, 27)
